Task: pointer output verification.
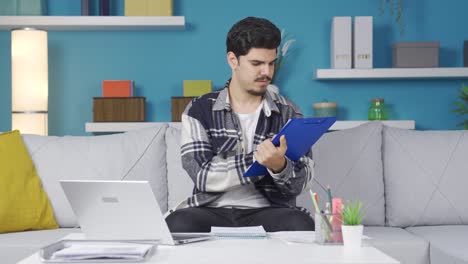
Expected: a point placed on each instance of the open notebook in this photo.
(238, 232)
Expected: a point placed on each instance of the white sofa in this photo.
(411, 182)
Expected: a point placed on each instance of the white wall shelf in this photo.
(111, 127)
(390, 73)
(93, 23)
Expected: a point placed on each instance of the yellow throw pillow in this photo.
(24, 205)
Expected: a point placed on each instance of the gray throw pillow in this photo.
(350, 161)
(425, 175)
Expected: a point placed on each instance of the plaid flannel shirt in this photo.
(213, 156)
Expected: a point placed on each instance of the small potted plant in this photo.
(462, 105)
(352, 227)
(396, 9)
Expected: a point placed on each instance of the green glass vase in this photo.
(377, 110)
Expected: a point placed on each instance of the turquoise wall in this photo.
(159, 61)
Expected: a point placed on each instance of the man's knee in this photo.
(187, 221)
(300, 221)
(286, 219)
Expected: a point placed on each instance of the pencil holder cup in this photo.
(328, 229)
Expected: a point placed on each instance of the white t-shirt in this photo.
(245, 196)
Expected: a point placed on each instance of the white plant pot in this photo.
(352, 236)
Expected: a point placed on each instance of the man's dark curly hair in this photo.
(252, 32)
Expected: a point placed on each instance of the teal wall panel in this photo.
(159, 61)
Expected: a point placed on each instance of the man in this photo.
(225, 131)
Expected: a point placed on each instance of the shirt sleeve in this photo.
(296, 175)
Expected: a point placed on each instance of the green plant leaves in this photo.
(462, 106)
(352, 214)
(396, 9)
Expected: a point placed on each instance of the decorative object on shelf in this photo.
(363, 55)
(7, 8)
(283, 49)
(119, 109)
(325, 109)
(117, 88)
(396, 9)
(178, 105)
(148, 7)
(85, 8)
(31, 7)
(352, 228)
(104, 8)
(377, 110)
(197, 87)
(29, 81)
(92, 7)
(415, 55)
(465, 53)
(340, 43)
(462, 105)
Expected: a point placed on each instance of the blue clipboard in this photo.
(301, 134)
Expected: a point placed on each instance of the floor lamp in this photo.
(29, 80)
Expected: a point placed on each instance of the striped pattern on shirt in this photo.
(213, 156)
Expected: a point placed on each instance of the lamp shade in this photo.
(30, 81)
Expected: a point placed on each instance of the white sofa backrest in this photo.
(135, 155)
(179, 184)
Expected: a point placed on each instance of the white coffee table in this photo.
(271, 250)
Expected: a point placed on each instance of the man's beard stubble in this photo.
(260, 93)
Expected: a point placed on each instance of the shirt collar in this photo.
(222, 102)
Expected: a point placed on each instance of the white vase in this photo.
(352, 236)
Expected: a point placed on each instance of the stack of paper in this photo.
(238, 232)
(110, 250)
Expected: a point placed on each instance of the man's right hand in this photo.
(271, 156)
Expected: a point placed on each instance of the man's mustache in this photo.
(263, 78)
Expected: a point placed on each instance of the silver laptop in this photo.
(121, 210)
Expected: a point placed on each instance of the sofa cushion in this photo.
(180, 185)
(23, 202)
(448, 243)
(350, 161)
(425, 177)
(134, 155)
(17, 246)
(399, 244)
